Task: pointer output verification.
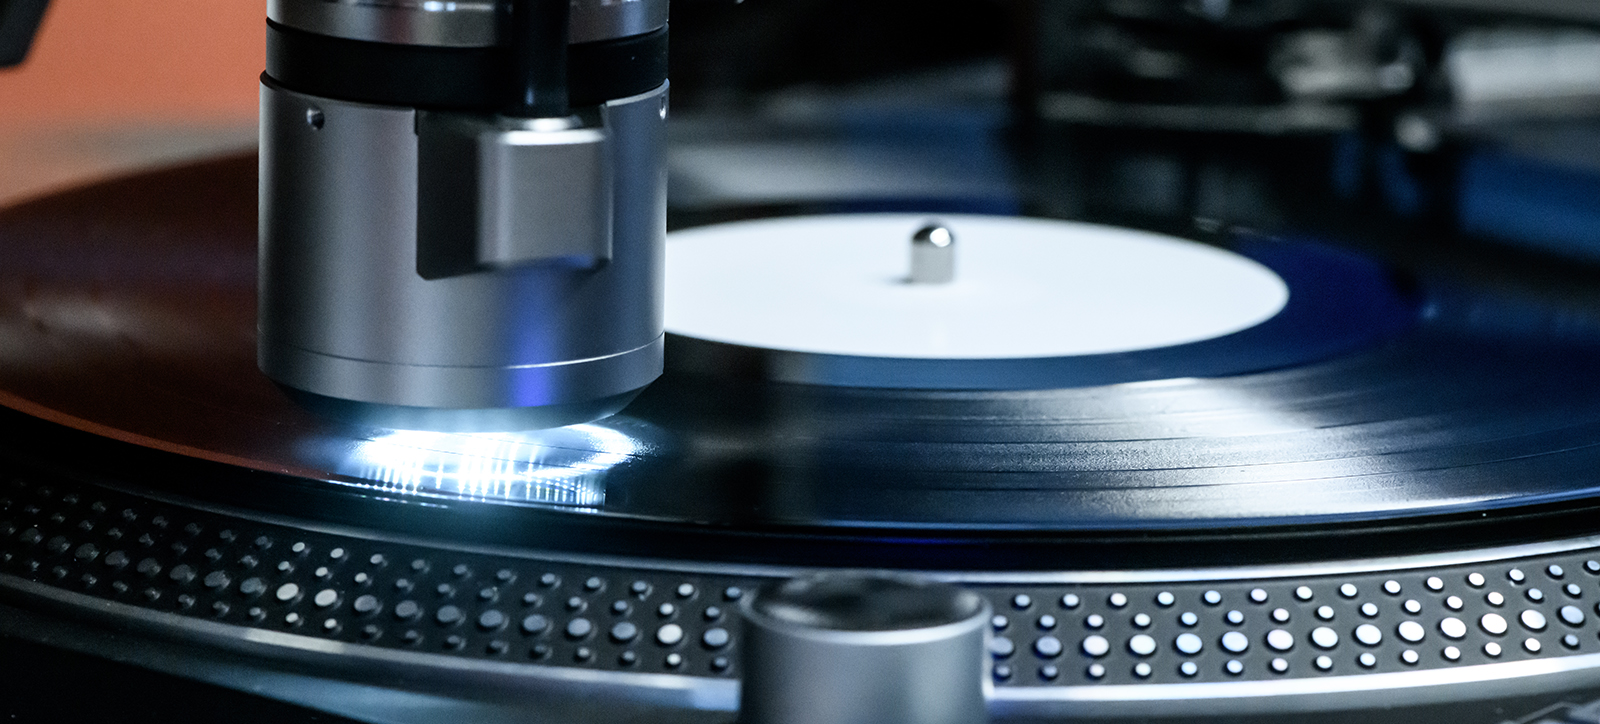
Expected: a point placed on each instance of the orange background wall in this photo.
(142, 61)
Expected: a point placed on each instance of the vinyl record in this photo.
(127, 312)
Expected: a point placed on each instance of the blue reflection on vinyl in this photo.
(564, 466)
(1532, 202)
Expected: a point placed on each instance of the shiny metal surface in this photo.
(345, 314)
(851, 648)
(126, 310)
(496, 192)
(604, 19)
(933, 256)
(359, 681)
(455, 23)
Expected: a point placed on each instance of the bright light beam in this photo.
(564, 466)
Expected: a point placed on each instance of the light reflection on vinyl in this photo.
(564, 466)
(127, 312)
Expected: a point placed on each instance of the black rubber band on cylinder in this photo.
(432, 77)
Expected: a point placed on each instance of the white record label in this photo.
(1023, 288)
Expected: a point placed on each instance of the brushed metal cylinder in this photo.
(345, 315)
(456, 23)
(864, 649)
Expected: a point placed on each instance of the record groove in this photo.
(128, 312)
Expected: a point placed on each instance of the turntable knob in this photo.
(854, 649)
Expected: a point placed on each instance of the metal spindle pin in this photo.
(933, 255)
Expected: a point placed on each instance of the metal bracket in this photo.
(496, 192)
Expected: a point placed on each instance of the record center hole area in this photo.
(1023, 288)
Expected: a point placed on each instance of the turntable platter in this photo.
(127, 311)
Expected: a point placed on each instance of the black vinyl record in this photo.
(127, 313)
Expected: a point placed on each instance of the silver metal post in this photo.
(847, 648)
(933, 255)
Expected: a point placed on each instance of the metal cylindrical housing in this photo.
(864, 649)
(344, 313)
(456, 23)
